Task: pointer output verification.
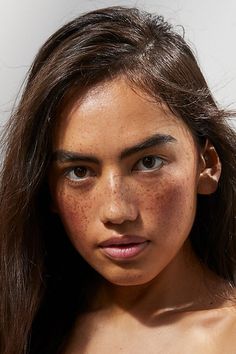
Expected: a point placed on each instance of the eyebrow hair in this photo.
(64, 156)
(154, 140)
(69, 156)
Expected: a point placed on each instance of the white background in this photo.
(210, 28)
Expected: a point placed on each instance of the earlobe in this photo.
(210, 170)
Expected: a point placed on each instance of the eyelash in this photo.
(89, 172)
(153, 168)
(77, 179)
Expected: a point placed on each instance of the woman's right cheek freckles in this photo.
(76, 213)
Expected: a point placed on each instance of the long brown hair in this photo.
(40, 291)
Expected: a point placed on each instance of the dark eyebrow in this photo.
(69, 156)
(64, 156)
(154, 140)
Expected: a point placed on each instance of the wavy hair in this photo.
(40, 291)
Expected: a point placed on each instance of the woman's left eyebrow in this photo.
(154, 140)
(64, 156)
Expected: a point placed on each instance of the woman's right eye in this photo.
(78, 173)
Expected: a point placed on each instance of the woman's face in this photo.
(124, 182)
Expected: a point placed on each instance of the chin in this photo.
(128, 279)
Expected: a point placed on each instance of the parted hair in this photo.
(40, 291)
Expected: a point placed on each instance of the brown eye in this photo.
(78, 173)
(149, 163)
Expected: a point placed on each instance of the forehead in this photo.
(114, 113)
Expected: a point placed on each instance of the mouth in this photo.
(124, 247)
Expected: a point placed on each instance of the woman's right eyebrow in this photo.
(64, 156)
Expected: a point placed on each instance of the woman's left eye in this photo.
(148, 163)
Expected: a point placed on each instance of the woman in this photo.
(118, 197)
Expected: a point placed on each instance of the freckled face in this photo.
(124, 167)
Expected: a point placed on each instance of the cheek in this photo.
(170, 205)
(75, 214)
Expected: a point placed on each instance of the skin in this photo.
(116, 195)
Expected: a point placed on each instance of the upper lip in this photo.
(122, 240)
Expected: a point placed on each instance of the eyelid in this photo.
(77, 179)
(162, 160)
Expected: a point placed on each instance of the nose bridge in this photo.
(118, 200)
(118, 191)
(116, 184)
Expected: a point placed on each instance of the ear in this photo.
(210, 170)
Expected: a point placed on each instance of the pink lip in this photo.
(124, 247)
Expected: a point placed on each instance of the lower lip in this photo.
(125, 251)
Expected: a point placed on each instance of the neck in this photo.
(185, 285)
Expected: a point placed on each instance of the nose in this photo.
(118, 203)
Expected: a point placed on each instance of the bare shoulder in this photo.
(227, 325)
(213, 330)
(200, 332)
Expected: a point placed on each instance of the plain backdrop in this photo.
(210, 28)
